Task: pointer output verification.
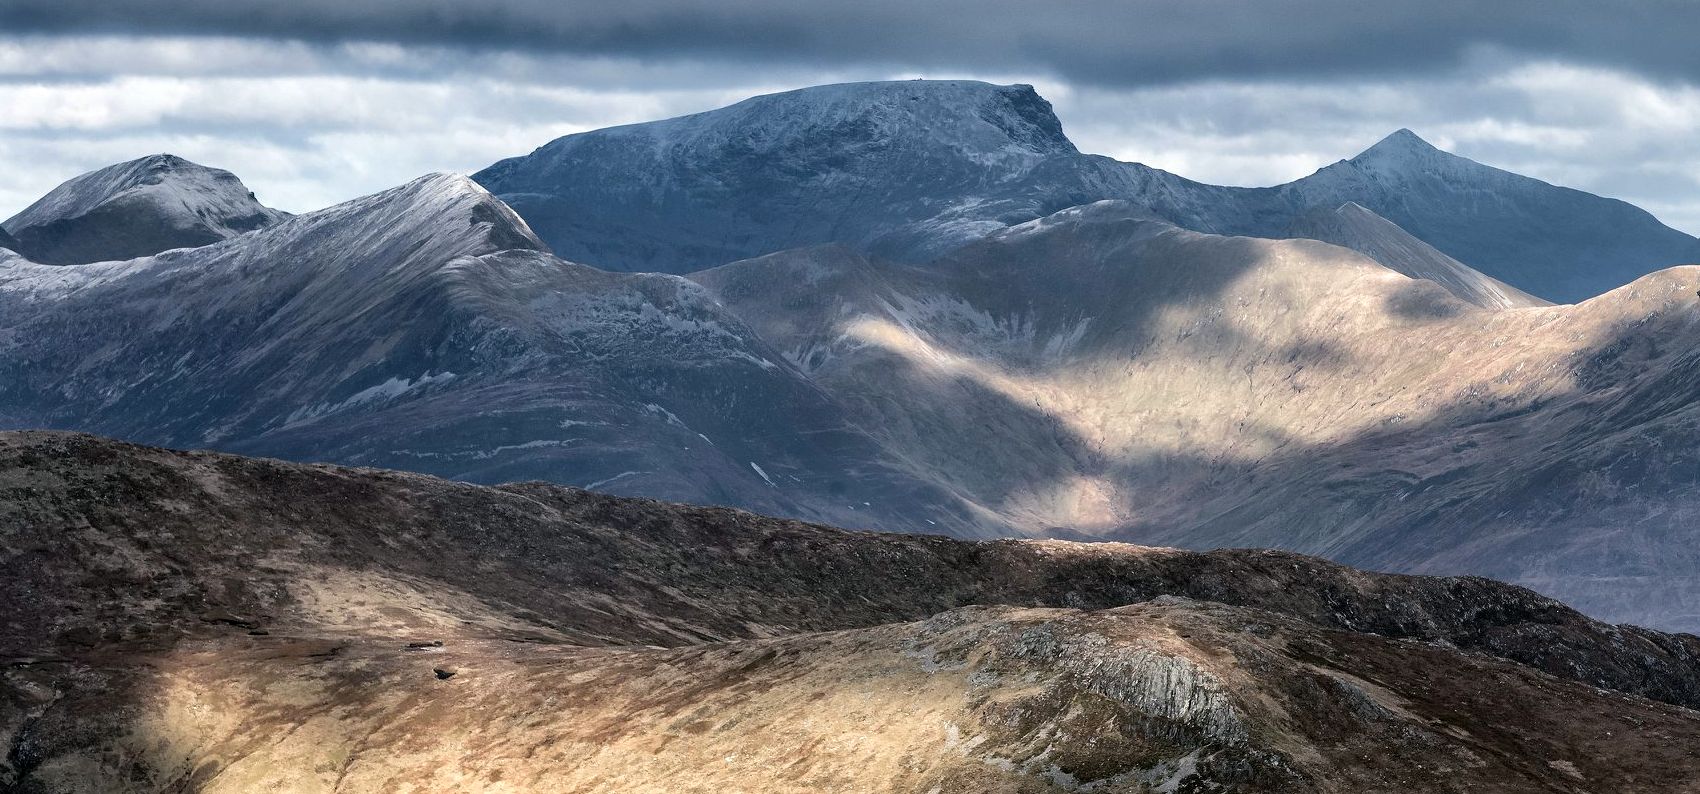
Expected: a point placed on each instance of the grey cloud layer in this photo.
(1126, 42)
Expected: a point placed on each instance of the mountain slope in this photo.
(1352, 226)
(135, 209)
(1104, 373)
(218, 623)
(427, 328)
(910, 170)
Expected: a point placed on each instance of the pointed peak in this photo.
(1402, 144)
(445, 182)
(1405, 137)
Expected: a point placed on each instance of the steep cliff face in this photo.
(223, 623)
(135, 209)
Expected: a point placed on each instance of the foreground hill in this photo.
(214, 623)
(138, 208)
(909, 170)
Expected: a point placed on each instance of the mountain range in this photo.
(909, 170)
(918, 307)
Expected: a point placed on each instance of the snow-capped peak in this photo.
(425, 222)
(980, 120)
(138, 208)
(835, 163)
(1403, 149)
(453, 198)
(195, 187)
(1404, 139)
(959, 113)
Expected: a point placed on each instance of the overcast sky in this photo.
(315, 101)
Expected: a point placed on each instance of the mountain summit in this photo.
(138, 208)
(858, 163)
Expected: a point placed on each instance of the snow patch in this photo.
(371, 395)
(763, 474)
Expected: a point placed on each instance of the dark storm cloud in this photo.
(1126, 42)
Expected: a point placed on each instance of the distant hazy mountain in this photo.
(138, 208)
(427, 328)
(912, 169)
